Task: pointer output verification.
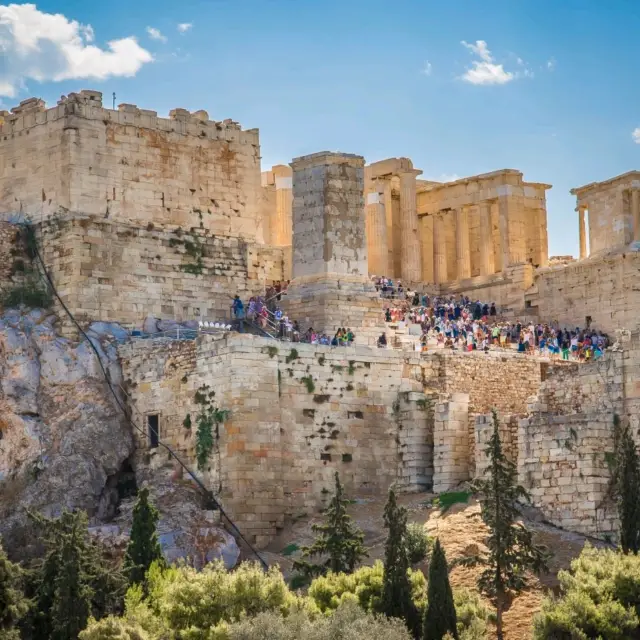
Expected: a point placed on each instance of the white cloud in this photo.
(183, 27)
(551, 64)
(427, 68)
(45, 46)
(635, 135)
(155, 34)
(485, 71)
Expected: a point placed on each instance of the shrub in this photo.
(473, 615)
(348, 622)
(190, 603)
(112, 628)
(600, 597)
(364, 586)
(418, 542)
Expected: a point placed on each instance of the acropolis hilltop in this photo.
(140, 217)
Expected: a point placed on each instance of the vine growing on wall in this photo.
(207, 420)
(193, 248)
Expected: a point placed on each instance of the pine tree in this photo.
(396, 601)
(13, 604)
(339, 539)
(512, 551)
(440, 614)
(626, 486)
(144, 547)
(75, 579)
(72, 595)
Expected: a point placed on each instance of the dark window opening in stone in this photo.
(326, 457)
(153, 429)
(347, 457)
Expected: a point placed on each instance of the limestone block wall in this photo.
(130, 165)
(508, 429)
(8, 248)
(451, 443)
(603, 288)
(107, 270)
(328, 215)
(298, 413)
(564, 441)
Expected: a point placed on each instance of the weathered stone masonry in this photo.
(301, 413)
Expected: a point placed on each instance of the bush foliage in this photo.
(600, 597)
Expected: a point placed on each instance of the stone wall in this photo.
(508, 429)
(603, 288)
(451, 443)
(567, 436)
(130, 165)
(8, 247)
(107, 270)
(299, 412)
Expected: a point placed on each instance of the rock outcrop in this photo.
(62, 435)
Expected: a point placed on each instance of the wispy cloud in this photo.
(427, 69)
(183, 27)
(443, 177)
(50, 47)
(485, 71)
(635, 135)
(551, 64)
(155, 34)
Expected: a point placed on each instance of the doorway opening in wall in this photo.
(587, 321)
(153, 430)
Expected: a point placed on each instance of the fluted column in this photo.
(463, 258)
(583, 234)
(283, 228)
(635, 214)
(487, 262)
(410, 249)
(377, 231)
(503, 212)
(439, 250)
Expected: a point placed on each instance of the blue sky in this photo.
(376, 78)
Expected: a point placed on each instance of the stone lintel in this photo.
(595, 186)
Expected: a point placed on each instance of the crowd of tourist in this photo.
(456, 323)
(464, 324)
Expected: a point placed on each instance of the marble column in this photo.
(487, 262)
(439, 250)
(388, 212)
(635, 214)
(583, 233)
(377, 231)
(283, 228)
(410, 249)
(503, 213)
(463, 258)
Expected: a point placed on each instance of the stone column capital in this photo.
(410, 173)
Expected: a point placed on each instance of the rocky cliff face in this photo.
(64, 444)
(62, 436)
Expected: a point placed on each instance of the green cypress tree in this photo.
(396, 600)
(144, 547)
(13, 604)
(74, 567)
(72, 595)
(512, 551)
(440, 614)
(626, 486)
(339, 539)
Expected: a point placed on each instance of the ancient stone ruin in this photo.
(138, 217)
